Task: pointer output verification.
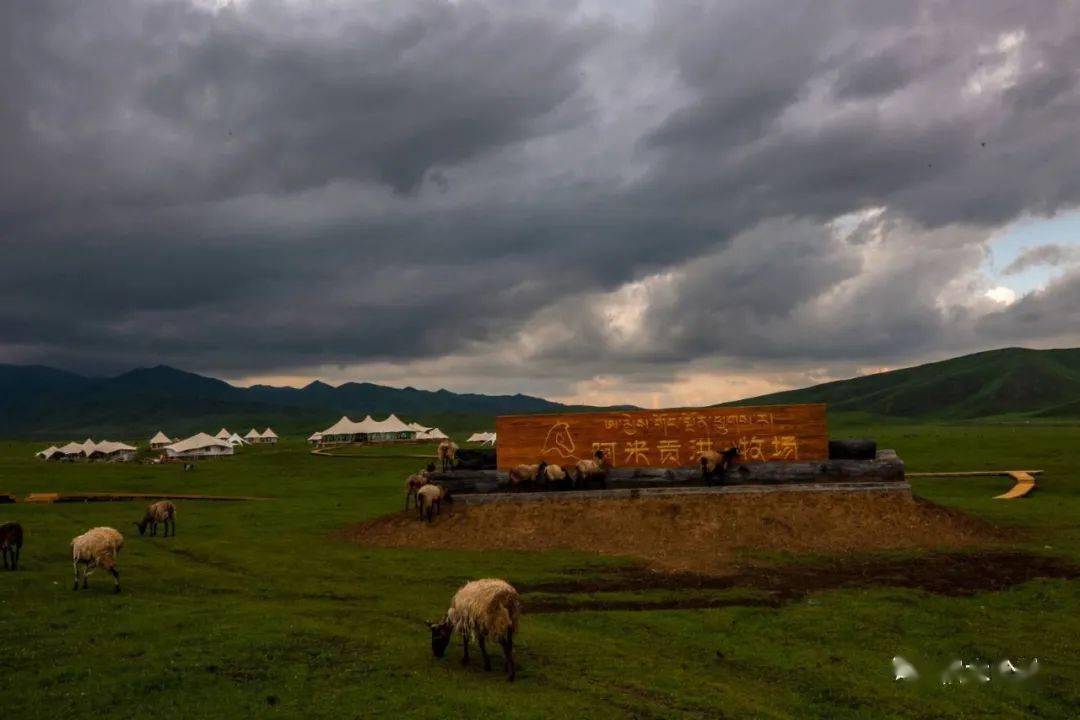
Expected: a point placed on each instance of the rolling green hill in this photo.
(1009, 382)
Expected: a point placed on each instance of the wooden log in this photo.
(854, 449)
(886, 467)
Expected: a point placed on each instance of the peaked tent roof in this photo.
(341, 427)
(160, 438)
(235, 439)
(222, 434)
(252, 434)
(72, 448)
(433, 434)
(269, 433)
(200, 440)
(109, 447)
(48, 452)
(418, 427)
(315, 436)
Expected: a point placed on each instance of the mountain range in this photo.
(38, 401)
(1009, 383)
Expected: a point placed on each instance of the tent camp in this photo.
(268, 436)
(159, 441)
(223, 434)
(253, 436)
(201, 445)
(391, 429)
(236, 441)
(315, 438)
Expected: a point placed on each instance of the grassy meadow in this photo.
(256, 610)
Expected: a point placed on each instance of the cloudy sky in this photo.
(661, 203)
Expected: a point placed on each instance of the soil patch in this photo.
(699, 533)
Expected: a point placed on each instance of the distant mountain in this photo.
(39, 401)
(1011, 382)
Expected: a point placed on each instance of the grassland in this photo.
(255, 610)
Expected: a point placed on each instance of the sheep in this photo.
(447, 454)
(416, 481)
(162, 511)
(429, 501)
(713, 463)
(592, 469)
(11, 542)
(522, 474)
(552, 476)
(480, 610)
(95, 548)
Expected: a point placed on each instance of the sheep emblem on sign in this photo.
(559, 441)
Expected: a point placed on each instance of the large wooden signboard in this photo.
(655, 438)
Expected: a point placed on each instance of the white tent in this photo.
(268, 436)
(159, 441)
(236, 441)
(432, 434)
(252, 435)
(315, 438)
(201, 445)
(71, 450)
(346, 430)
(477, 437)
(418, 427)
(112, 451)
(223, 434)
(48, 452)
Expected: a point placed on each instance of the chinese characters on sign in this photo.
(674, 438)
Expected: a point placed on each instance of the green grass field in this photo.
(254, 610)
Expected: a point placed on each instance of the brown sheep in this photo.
(11, 542)
(163, 512)
(481, 610)
(447, 454)
(522, 475)
(415, 482)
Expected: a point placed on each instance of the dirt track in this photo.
(682, 534)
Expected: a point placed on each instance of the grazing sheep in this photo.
(11, 541)
(447, 454)
(595, 468)
(429, 501)
(714, 463)
(416, 481)
(96, 548)
(160, 512)
(481, 610)
(521, 475)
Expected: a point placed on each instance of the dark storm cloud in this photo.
(275, 185)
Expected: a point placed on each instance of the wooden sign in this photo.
(657, 438)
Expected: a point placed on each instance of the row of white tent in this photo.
(483, 437)
(371, 430)
(104, 450)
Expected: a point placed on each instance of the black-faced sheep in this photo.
(415, 482)
(715, 464)
(96, 548)
(11, 542)
(590, 470)
(429, 501)
(447, 454)
(481, 610)
(163, 512)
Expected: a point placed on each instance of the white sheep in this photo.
(481, 610)
(429, 501)
(95, 548)
(594, 468)
(416, 481)
(447, 454)
(551, 476)
(714, 463)
(163, 512)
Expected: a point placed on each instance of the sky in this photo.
(669, 203)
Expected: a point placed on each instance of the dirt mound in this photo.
(683, 533)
